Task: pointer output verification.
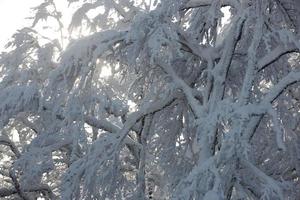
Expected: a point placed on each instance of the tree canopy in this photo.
(153, 100)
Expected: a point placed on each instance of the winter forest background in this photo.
(148, 99)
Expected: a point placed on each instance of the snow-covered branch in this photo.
(201, 3)
(158, 100)
(292, 78)
(274, 55)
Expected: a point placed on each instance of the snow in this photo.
(171, 100)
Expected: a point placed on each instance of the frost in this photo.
(191, 108)
(15, 99)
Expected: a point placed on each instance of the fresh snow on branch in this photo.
(153, 100)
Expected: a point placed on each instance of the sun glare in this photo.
(16, 14)
(105, 72)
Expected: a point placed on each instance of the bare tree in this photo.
(193, 108)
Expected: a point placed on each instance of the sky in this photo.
(12, 17)
(13, 14)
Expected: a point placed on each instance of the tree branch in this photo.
(274, 55)
(291, 78)
(101, 124)
(4, 192)
(4, 140)
(203, 3)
